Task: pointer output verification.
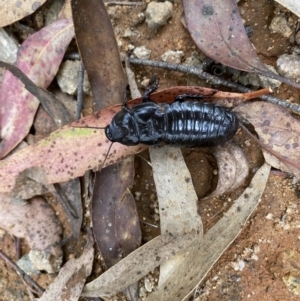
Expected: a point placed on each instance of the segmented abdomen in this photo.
(197, 124)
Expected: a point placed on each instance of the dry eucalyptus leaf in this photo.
(201, 257)
(175, 191)
(72, 276)
(39, 58)
(12, 11)
(137, 264)
(232, 168)
(34, 220)
(177, 200)
(278, 131)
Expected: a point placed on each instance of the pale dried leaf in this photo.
(137, 264)
(29, 183)
(232, 168)
(177, 200)
(201, 257)
(12, 11)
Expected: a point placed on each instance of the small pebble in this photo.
(142, 53)
(289, 66)
(171, 56)
(280, 25)
(158, 13)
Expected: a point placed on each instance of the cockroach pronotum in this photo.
(182, 123)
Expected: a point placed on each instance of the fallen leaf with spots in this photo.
(279, 134)
(35, 221)
(39, 58)
(12, 11)
(68, 152)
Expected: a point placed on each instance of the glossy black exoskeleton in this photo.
(182, 123)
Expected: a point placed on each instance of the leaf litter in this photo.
(94, 164)
(278, 132)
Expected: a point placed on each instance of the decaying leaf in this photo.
(232, 168)
(72, 276)
(68, 152)
(218, 30)
(279, 134)
(34, 220)
(12, 11)
(138, 264)
(201, 257)
(39, 58)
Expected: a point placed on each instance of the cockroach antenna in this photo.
(100, 167)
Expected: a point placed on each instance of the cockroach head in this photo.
(123, 129)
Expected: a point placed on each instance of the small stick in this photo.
(22, 274)
(213, 79)
(257, 93)
(80, 91)
(210, 78)
(111, 3)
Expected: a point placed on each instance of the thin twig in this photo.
(213, 79)
(80, 91)
(124, 3)
(22, 274)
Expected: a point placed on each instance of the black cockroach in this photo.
(182, 123)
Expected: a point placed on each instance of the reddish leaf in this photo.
(35, 221)
(217, 29)
(68, 152)
(39, 57)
